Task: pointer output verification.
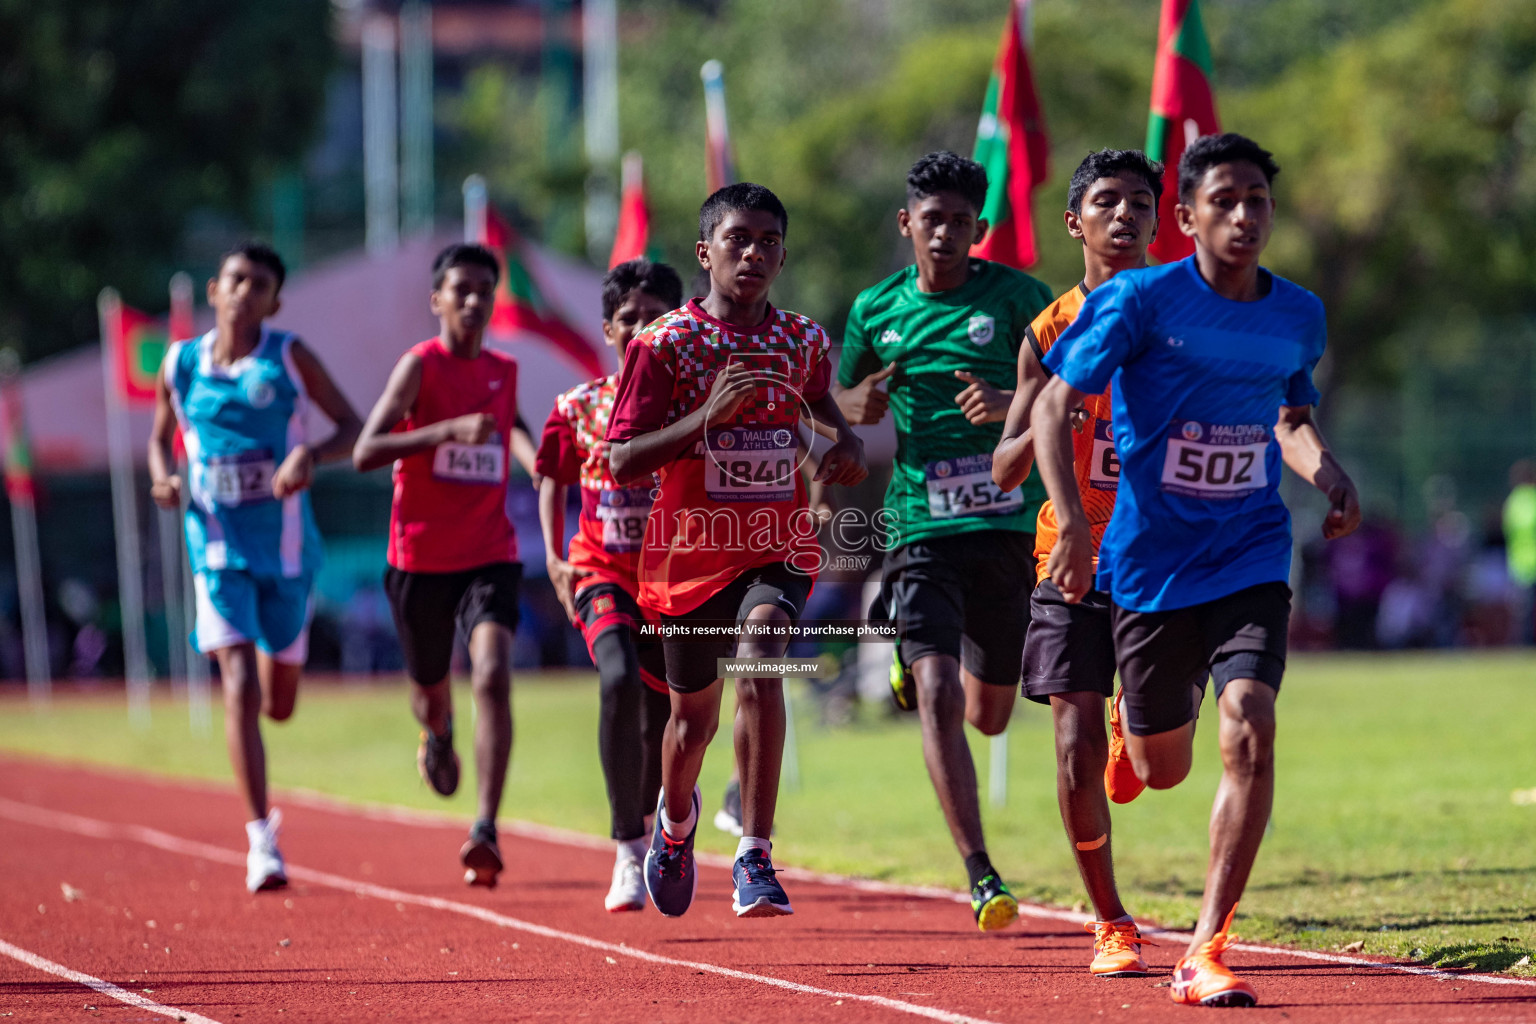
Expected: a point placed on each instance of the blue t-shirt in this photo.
(1198, 384)
(239, 422)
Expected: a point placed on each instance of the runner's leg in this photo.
(1082, 749)
(490, 656)
(941, 711)
(760, 724)
(242, 723)
(1243, 800)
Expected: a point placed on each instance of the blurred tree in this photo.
(117, 121)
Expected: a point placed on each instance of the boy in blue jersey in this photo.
(239, 394)
(1211, 359)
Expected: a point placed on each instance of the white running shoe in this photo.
(264, 862)
(628, 889)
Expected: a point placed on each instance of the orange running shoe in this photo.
(1201, 979)
(1117, 949)
(1120, 781)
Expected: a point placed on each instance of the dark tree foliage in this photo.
(117, 121)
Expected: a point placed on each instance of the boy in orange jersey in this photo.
(1069, 656)
(711, 396)
(596, 584)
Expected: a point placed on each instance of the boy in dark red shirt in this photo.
(597, 585)
(446, 420)
(711, 397)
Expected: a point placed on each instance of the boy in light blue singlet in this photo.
(239, 394)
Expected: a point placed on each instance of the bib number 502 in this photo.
(1217, 468)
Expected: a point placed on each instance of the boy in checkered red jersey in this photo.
(596, 582)
(711, 397)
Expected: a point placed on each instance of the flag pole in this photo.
(475, 202)
(29, 572)
(125, 518)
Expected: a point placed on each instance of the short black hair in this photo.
(741, 196)
(656, 279)
(464, 254)
(943, 171)
(258, 252)
(1210, 150)
(1114, 163)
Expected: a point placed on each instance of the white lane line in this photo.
(566, 837)
(106, 988)
(75, 823)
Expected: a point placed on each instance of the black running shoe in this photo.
(728, 817)
(903, 686)
(993, 905)
(436, 761)
(481, 856)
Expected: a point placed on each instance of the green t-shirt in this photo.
(941, 484)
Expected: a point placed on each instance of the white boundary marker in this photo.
(66, 822)
(106, 988)
(568, 837)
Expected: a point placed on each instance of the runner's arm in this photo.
(165, 482)
(981, 401)
(562, 574)
(1304, 450)
(843, 463)
(378, 444)
(637, 457)
(1071, 562)
(524, 451)
(325, 394)
(1015, 453)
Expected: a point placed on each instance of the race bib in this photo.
(470, 463)
(239, 479)
(1215, 461)
(623, 512)
(749, 464)
(1104, 474)
(964, 487)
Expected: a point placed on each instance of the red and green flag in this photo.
(1183, 109)
(139, 342)
(19, 486)
(633, 240)
(520, 305)
(1011, 144)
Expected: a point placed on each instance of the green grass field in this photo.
(1395, 823)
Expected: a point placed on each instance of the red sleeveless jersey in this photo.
(450, 505)
(573, 451)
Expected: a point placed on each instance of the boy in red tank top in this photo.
(446, 420)
(711, 397)
(597, 586)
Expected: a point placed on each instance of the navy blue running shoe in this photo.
(671, 876)
(758, 892)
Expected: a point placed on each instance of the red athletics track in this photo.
(377, 925)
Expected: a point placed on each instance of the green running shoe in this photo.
(903, 686)
(992, 903)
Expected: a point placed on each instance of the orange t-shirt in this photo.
(1093, 444)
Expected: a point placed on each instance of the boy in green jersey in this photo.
(945, 334)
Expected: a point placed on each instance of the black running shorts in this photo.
(966, 596)
(691, 661)
(601, 607)
(1165, 657)
(1070, 647)
(430, 606)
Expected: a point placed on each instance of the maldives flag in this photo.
(719, 158)
(139, 342)
(1183, 109)
(520, 306)
(633, 240)
(19, 485)
(1011, 144)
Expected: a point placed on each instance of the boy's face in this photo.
(1117, 218)
(1231, 214)
(744, 255)
(943, 227)
(463, 302)
(636, 310)
(244, 293)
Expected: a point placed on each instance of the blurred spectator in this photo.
(1520, 543)
(1491, 594)
(1361, 566)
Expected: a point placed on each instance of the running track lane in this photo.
(377, 925)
